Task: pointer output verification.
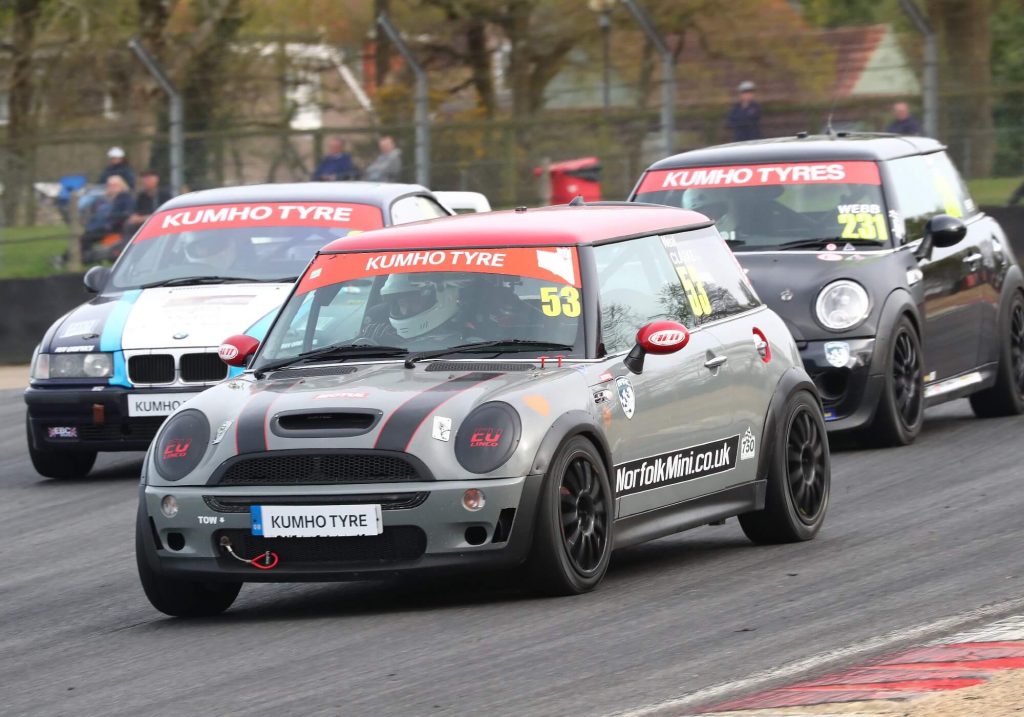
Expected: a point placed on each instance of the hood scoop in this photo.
(324, 424)
(478, 366)
(313, 371)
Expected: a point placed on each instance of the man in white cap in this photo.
(119, 166)
(745, 116)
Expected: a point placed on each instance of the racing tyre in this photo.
(900, 411)
(174, 596)
(1006, 397)
(799, 477)
(56, 463)
(573, 540)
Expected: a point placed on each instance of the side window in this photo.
(637, 284)
(924, 186)
(414, 209)
(714, 285)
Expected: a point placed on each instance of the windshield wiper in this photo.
(196, 280)
(499, 346)
(801, 243)
(334, 351)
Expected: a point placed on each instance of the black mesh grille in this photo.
(151, 368)
(134, 428)
(387, 501)
(398, 543)
(478, 366)
(205, 367)
(314, 371)
(318, 468)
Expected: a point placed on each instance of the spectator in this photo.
(151, 195)
(745, 116)
(903, 122)
(119, 166)
(109, 214)
(388, 165)
(337, 164)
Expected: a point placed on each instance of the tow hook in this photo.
(266, 561)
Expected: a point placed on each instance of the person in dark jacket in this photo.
(108, 216)
(337, 164)
(117, 165)
(903, 122)
(745, 116)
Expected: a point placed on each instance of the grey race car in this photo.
(529, 388)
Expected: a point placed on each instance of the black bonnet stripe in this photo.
(251, 429)
(401, 426)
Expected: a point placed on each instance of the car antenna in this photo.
(828, 121)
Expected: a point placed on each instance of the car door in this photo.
(667, 427)
(953, 315)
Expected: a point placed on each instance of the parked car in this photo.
(208, 264)
(899, 291)
(534, 386)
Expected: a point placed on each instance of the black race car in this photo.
(899, 291)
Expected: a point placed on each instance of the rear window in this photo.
(768, 206)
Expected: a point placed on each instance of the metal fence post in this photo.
(176, 119)
(422, 111)
(931, 66)
(668, 80)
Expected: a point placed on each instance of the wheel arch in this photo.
(793, 380)
(572, 423)
(897, 305)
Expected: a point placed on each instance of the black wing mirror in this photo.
(96, 278)
(941, 230)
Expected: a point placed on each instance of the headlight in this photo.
(488, 437)
(181, 444)
(73, 366)
(842, 305)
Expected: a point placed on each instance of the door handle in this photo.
(716, 361)
(971, 258)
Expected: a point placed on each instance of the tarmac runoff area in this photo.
(978, 672)
(13, 377)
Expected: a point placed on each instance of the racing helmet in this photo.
(201, 247)
(418, 303)
(710, 202)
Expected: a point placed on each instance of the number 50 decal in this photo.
(564, 301)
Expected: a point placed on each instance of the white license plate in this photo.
(156, 404)
(315, 521)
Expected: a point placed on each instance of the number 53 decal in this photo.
(560, 301)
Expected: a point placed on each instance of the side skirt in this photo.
(677, 517)
(959, 386)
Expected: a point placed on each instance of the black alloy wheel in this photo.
(1017, 346)
(584, 516)
(1006, 396)
(805, 465)
(906, 378)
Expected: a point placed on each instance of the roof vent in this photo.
(801, 135)
(520, 209)
(577, 201)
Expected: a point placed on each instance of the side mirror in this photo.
(96, 278)
(941, 230)
(657, 337)
(238, 350)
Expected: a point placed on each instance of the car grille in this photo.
(301, 468)
(143, 429)
(387, 501)
(151, 368)
(395, 544)
(203, 368)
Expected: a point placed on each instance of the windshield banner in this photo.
(558, 264)
(268, 214)
(760, 175)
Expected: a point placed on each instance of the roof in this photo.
(373, 193)
(863, 146)
(548, 226)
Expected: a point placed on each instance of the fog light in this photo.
(169, 506)
(473, 500)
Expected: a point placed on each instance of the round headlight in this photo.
(98, 365)
(488, 437)
(842, 305)
(181, 444)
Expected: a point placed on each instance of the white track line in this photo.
(874, 644)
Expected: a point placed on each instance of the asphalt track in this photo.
(913, 535)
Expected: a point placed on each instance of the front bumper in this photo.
(850, 392)
(426, 529)
(91, 418)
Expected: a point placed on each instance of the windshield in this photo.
(219, 243)
(430, 300)
(760, 207)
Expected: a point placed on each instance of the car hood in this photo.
(418, 411)
(789, 282)
(164, 317)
